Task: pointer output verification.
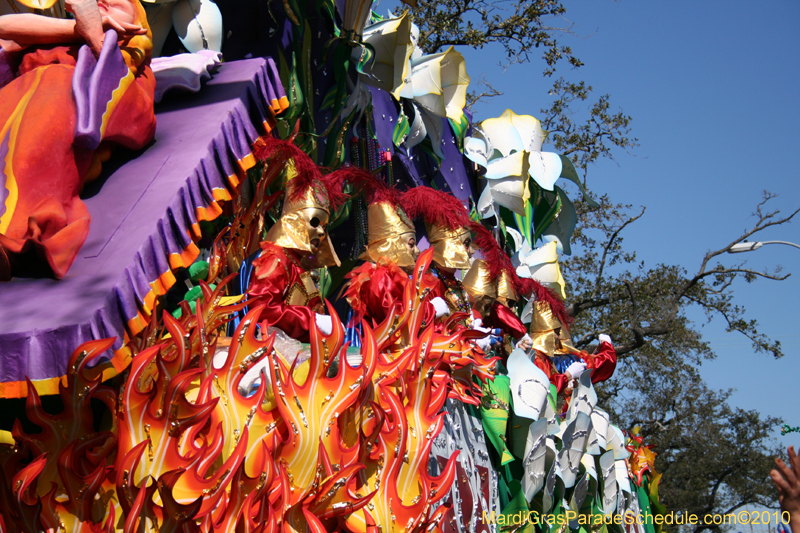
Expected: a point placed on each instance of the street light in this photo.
(750, 246)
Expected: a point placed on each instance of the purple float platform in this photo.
(143, 219)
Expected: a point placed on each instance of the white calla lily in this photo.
(439, 83)
(498, 144)
(542, 265)
(508, 181)
(391, 40)
(514, 133)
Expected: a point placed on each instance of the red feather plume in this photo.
(435, 207)
(278, 152)
(334, 184)
(498, 261)
(528, 287)
(369, 185)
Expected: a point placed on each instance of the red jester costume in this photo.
(296, 243)
(378, 285)
(555, 355)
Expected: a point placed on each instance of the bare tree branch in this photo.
(608, 245)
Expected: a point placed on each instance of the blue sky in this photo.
(712, 87)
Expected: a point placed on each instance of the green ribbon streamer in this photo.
(401, 129)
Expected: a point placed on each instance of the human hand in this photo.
(123, 29)
(787, 481)
(525, 343)
(440, 306)
(324, 324)
(88, 22)
(11, 46)
(575, 370)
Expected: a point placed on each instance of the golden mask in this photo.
(549, 335)
(303, 225)
(479, 286)
(451, 248)
(390, 234)
(506, 294)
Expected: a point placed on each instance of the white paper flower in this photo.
(509, 147)
(541, 264)
(439, 84)
(514, 133)
(391, 40)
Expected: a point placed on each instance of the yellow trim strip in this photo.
(13, 124)
(48, 387)
(116, 96)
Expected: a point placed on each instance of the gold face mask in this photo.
(391, 235)
(506, 294)
(549, 335)
(303, 227)
(479, 287)
(451, 248)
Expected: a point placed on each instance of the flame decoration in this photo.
(180, 448)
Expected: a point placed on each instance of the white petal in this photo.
(418, 132)
(440, 83)
(545, 168)
(509, 193)
(514, 165)
(502, 133)
(486, 204)
(391, 40)
(530, 131)
(519, 240)
(543, 254)
(476, 150)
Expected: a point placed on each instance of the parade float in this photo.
(302, 291)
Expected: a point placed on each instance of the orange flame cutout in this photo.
(344, 449)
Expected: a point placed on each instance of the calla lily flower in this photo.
(542, 265)
(437, 88)
(507, 184)
(439, 84)
(501, 145)
(514, 133)
(391, 40)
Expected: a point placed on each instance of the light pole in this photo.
(750, 246)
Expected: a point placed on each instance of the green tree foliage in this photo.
(602, 132)
(715, 458)
(520, 27)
